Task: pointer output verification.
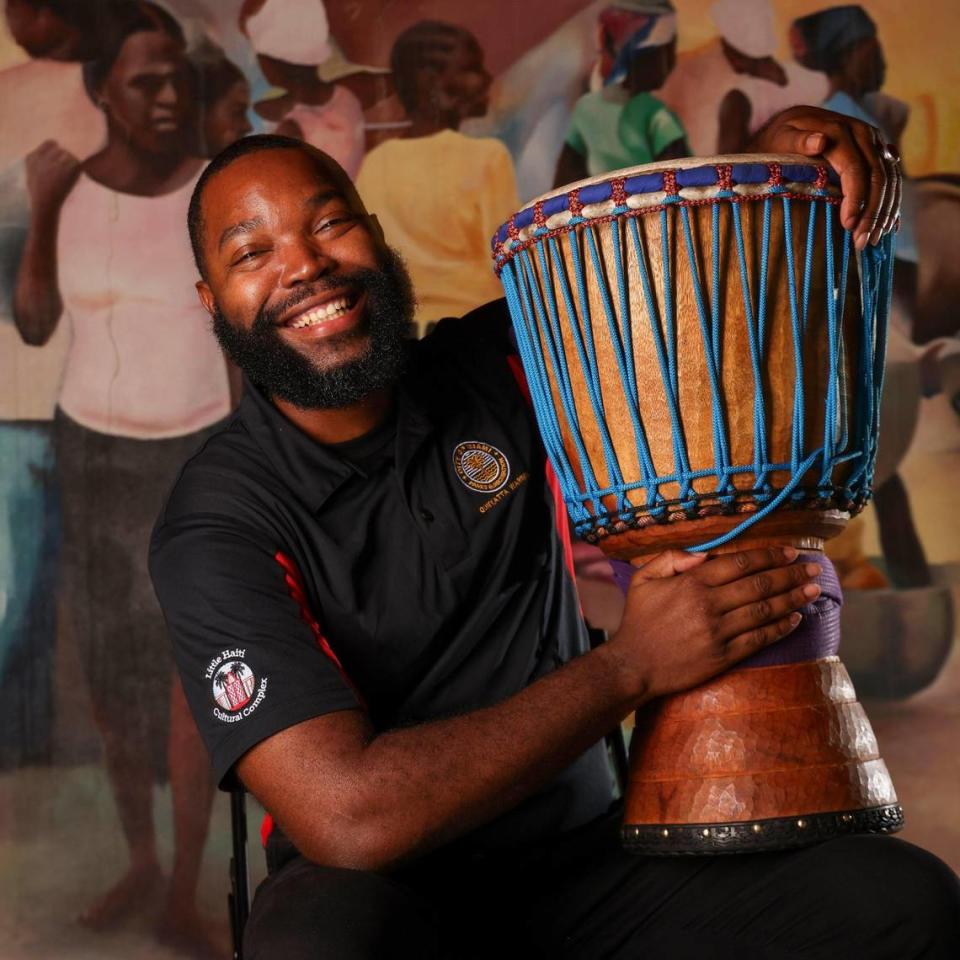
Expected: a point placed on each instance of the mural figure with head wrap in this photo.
(727, 89)
(311, 100)
(623, 124)
(439, 194)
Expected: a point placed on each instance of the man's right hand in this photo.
(688, 618)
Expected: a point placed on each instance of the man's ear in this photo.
(206, 297)
(375, 229)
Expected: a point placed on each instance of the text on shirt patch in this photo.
(234, 686)
(480, 466)
(519, 479)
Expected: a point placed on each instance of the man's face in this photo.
(304, 295)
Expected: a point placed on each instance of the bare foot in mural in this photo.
(133, 891)
(184, 930)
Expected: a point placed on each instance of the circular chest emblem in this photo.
(233, 685)
(480, 466)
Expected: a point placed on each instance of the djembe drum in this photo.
(704, 350)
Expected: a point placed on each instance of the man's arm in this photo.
(348, 797)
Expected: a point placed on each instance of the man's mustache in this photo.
(356, 281)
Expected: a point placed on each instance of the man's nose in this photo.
(305, 261)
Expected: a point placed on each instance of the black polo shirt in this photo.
(415, 573)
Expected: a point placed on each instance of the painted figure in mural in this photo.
(439, 193)
(141, 387)
(842, 43)
(726, 90)
(623, 124)
(292, 41)
(38, 97)
(418, 709)
(221, 100)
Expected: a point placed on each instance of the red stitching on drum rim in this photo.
(670, 183)
(656, 208)
(725, 176)
(822, 177)
(618, 191)
(776, 174)
(573, 202)
(538, 218)
(512, 228)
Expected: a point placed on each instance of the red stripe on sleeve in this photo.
(298, 594)
(553, 484)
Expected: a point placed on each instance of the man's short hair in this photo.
(241, 148)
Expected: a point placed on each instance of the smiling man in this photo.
(364, 576)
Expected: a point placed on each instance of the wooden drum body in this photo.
(704, 350)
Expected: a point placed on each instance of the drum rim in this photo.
(681, 163)
(732, 177)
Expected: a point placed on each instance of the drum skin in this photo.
(767, 756)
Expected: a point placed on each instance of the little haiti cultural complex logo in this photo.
(233, 685)
(481, 467)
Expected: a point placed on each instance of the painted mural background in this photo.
(111, 839)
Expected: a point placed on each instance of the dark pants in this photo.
(855, 898)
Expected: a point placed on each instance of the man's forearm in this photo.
(409, 790)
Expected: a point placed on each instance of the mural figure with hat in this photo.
(727, 89)
(438, 193)
(311, 100)
(623, 124)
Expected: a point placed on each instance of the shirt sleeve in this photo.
(575, 138)
(249, 651)
(664, 129)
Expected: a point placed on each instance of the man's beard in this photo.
(282, 371)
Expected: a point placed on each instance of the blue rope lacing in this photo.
(554, 314)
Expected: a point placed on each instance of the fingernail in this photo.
(813, 569)
(811, 590)
(795, 618)
(697, 553)
(814, 141)
(860, 240)
(791, 553)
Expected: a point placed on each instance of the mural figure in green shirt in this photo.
(623, 124)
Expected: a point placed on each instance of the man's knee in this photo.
(902, 891)
(305, 912)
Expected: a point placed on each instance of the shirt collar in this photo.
(311, 470)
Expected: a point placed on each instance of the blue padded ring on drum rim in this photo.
(538, 231)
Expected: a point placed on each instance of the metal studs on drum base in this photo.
(780, 833)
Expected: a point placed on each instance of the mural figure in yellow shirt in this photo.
(439, 194)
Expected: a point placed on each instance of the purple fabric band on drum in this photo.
(818, 634)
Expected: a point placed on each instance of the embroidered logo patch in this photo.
(481, 467)
(234, 686)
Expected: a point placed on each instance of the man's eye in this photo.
(337, 222)
(246, 256)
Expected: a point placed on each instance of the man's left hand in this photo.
(870, 175)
